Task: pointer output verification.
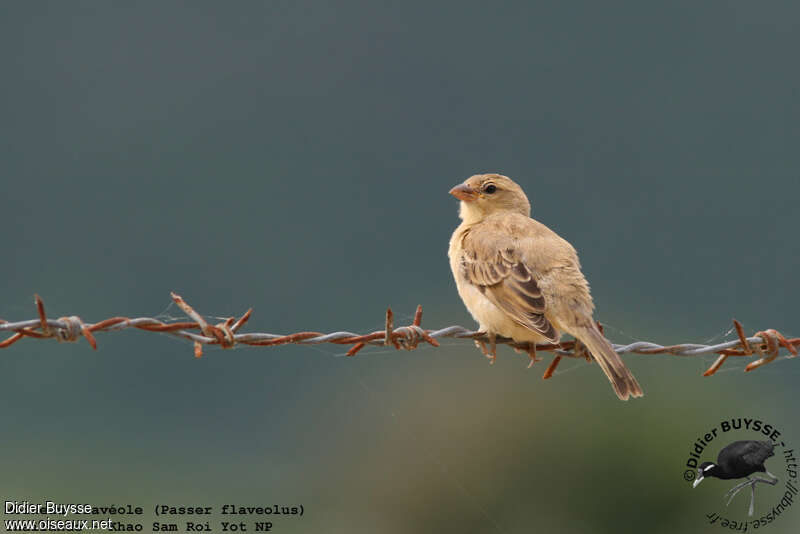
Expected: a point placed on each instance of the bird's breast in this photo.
(489, 317)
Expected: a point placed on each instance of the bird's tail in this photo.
(623, 382)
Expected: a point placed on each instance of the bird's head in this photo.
(485, 194)
(706, 469)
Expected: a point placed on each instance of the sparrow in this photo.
(521, 280)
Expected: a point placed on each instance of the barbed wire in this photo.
(766, 344)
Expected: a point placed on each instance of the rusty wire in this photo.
(766, 343)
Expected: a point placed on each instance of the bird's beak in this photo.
(697, 481)
(464, 192)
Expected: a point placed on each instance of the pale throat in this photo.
(470, 213)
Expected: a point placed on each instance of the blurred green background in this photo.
(296, 157)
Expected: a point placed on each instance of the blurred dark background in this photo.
(296, 157)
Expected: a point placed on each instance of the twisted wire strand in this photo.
(765, 344)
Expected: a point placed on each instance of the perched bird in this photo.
(520, 280)
(740, 459)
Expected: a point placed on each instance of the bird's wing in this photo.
(758, 452)
(493, 262)
(746, 454)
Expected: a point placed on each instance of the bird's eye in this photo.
(491, 188)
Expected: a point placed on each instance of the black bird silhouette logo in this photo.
(740, 459)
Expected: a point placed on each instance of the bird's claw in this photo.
(532, 354)
(752, 483)
(582, 351)
(491, 352)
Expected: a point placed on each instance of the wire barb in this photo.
(766, 344)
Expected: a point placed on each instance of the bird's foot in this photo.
(481, 345)
(532, 354)
(731, 493)
(752, 483)
(581, 351)
(491, 351)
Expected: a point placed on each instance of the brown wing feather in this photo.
(509, 284)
